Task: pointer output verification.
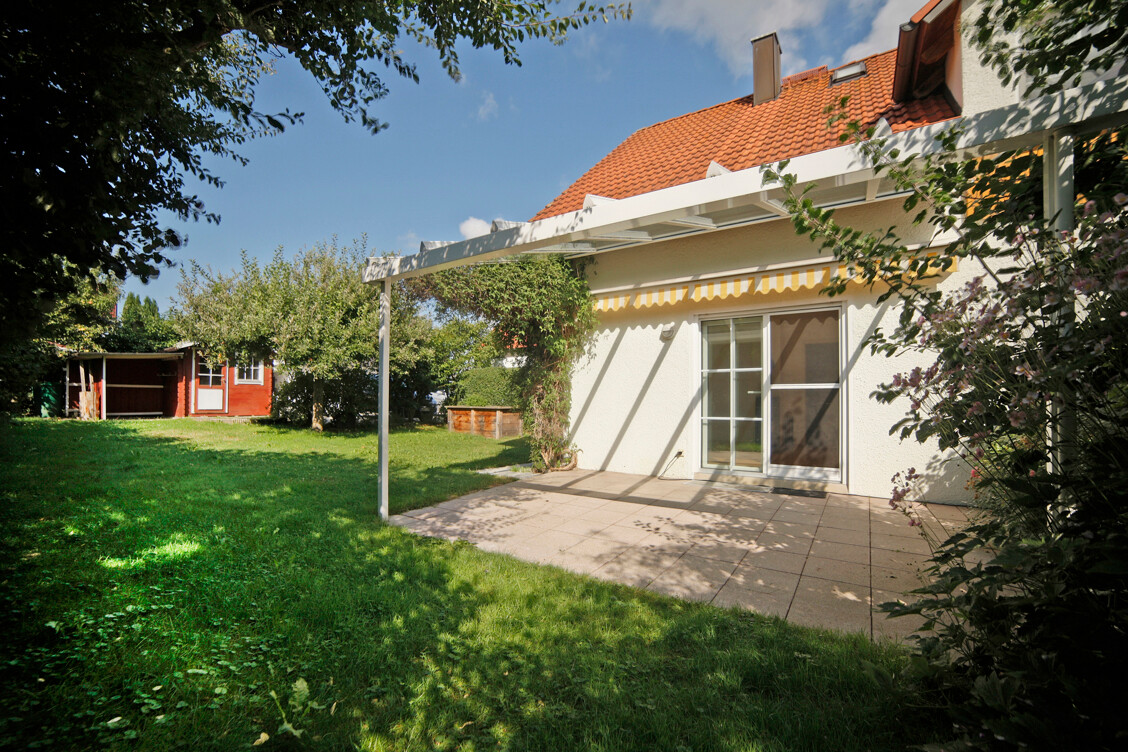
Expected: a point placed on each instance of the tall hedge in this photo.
(496, 386)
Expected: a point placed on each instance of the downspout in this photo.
(385, 334)
(105, 391)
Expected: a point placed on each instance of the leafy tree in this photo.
(141, 327)
(541, 302)
(313, 314)
(1026, 619)
(110, 107)
(83, 320)
(455, 348)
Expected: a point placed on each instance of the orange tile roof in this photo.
(739, 135)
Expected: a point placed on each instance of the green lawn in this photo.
(190, 585)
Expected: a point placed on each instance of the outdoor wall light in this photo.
(667, 333)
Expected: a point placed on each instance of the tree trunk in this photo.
(318, 423)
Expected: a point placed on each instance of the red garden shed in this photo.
(172, 383)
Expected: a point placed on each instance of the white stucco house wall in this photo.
(716, 357)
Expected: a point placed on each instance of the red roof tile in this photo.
(739, 135)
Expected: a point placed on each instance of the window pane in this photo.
(717, 401)
(749, 337)
(715, 439)
(716, 353)
(749, 444)
(805, 348)
(748, 396)
(805, 427)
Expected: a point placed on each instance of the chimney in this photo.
(765, 68)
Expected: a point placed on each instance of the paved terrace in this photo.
(814, 561)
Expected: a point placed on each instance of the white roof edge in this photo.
(1083, 109)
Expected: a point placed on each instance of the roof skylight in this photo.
(848, 72)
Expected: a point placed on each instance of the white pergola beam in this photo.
(702, 223)
(1084, 109)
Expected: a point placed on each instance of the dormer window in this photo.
(848, 72)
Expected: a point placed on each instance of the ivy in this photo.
(540, 305)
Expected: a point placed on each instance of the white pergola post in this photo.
(385, 335)
(1058, 196)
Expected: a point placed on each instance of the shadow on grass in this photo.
(158, 590)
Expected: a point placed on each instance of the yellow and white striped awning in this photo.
(719, 289)
(814, 277)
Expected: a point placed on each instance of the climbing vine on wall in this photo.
(540, 307)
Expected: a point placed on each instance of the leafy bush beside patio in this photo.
(174, 584)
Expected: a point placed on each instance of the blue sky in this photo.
(505, 140)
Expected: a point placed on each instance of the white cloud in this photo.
(883, 31)
(810, 31)
(488, 109)
(472, 227)
(730, 25)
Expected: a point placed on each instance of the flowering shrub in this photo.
(1026, 616)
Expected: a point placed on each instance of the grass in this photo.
(207, 586)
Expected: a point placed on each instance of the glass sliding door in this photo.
(732, 371)
(805, 386)
(793, 359)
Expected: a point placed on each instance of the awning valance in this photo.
(810, 277)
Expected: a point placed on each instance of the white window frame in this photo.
(256, 366)
(770, 471)
(210, 373)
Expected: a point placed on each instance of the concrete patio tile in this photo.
(759, 579)
(546, 521)
(893, 523)
(802, 518)
(713, 505)
(652, 488)
(693, 578)
(842, 535)
(603, 514)
(664, 543)
(881, 557)
(756, 511)
(831, 605)
(583, 527)
(952, 512)
(841, 552)
(845, 501)
(461, 503)
(720, 550)
(623, 534)
(917, 545)
(792, 529)
(637, 566)
(588, 555)
(837, 570)
(553, 541)
(737, 529)
(818, 561)
(900, 580)
(781, 561)
(802, 504)
(846, 519)
(789, 543)
(652, 514)
(766, 603)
